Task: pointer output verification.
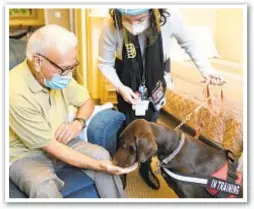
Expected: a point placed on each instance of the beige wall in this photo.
(52, 17)
(200, 16)
(229, 34)
(227, 26)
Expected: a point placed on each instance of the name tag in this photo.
(141, 107)
(158, 97)
(224, 186)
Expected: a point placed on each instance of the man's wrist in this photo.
(100, 166)
(78, 124)
(82, 121)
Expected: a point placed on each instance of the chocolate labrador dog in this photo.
(184, 156)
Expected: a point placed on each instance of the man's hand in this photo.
(109, 167)
(214, 77)
(127, 94)
(66, 132)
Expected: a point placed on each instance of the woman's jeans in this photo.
(103, 129)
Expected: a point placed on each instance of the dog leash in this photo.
(213, 113)
(188, 117)
(208, 98)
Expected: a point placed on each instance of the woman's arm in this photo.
(180, 32)
(107, 49)
(109, 39)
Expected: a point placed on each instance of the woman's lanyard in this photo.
(131, 53)
(142, 88)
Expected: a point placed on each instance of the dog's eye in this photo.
(132, 148)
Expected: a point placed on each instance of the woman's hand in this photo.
(127, 94)
(214, 77)
(109, 167)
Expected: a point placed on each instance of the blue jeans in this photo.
(103, 129)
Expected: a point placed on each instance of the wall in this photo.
(227, 27)
(229, 34)
(95, 18)
(80, 73)
(58, 16)
(200, 16)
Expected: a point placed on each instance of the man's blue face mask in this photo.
(58, 81)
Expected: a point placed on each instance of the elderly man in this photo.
(41, 140)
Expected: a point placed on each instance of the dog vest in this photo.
(225, 183)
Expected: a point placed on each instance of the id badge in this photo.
(158, 97)
(157, 93)
(141, 107)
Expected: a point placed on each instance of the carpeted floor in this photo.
(137, 188)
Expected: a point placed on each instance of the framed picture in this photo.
(21, 13)
(26, 17)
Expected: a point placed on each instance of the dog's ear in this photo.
(146, 147)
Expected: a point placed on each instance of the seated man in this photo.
(41, 140)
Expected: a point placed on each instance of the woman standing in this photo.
(134, 57)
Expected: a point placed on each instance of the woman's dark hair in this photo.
(117, 16)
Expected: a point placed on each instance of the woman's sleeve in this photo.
(107, 48)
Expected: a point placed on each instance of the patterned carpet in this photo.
(137, 188)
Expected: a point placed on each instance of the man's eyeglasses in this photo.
(64, 71)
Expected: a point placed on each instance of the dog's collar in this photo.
(178, 176)
(175, 152)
